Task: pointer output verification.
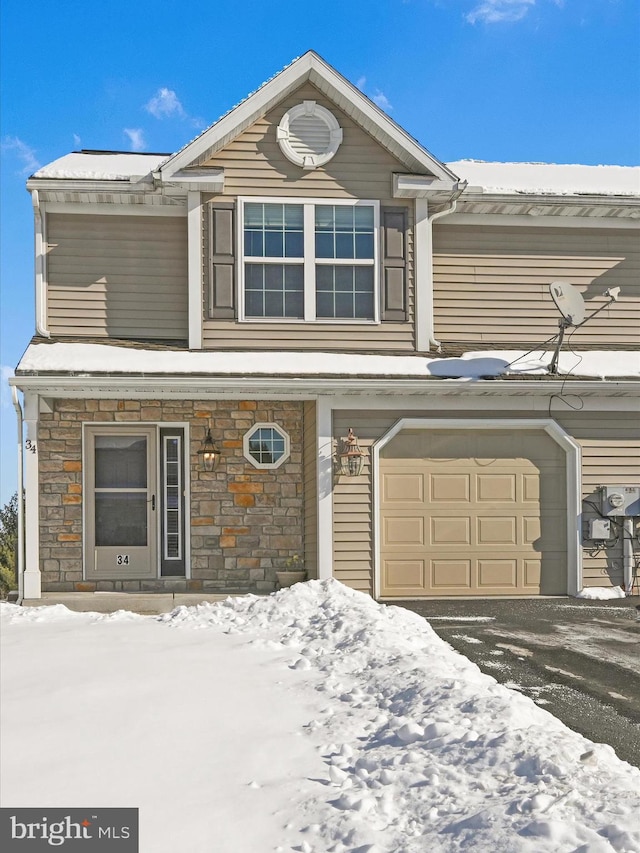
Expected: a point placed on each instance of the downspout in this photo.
(19, 415)
(430, 220)
(41, 298)
(627, 554)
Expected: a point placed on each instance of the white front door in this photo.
(121, 503)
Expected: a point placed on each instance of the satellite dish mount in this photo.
(570, 304)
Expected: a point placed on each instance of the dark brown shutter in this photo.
(222, 262)
(394, 264)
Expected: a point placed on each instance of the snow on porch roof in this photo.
(549, 178)
(104, 359)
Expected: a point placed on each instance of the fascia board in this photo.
(75, 184)
(357, 388)
(478, 194)
(553, 220)
(308, 67)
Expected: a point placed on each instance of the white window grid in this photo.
(309, 260)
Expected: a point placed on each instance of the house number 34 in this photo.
(30, 445)
(122, 559)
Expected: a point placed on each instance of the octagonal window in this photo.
(266, 446)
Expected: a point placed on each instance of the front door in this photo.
(121, 513)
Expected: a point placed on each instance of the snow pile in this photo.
(101, 358)
(407, 746)
(601, 593)
(549, 178)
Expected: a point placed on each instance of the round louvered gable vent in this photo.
(309, 135)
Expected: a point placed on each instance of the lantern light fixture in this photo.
(209, 453)
(351, 456)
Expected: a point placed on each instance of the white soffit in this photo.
(309, 67)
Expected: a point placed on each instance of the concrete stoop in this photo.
(147, 604)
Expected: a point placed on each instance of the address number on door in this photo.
(122, 560)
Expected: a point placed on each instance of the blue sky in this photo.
(518, 80)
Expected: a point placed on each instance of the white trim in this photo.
(32, 580)
(194, 256)
(548, 220)
(246, 438)
(552, 428)
(308, 67)
(116, 209)
(324, 485)
(421, 186)
(309, 261)
(353, 393)
(423, 275)
(40, 264)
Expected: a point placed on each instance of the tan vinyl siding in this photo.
(310, 458)
(255, 166)
(610, 445)
(491, 284)
(117, 276)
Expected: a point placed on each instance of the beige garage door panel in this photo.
(473, 523)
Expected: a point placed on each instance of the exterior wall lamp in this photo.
(209, 453)
(351, 456)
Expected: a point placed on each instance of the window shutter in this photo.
(222, 260)
(394, 264)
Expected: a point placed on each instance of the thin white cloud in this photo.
(6, 373)
(381, 100)
(499, 11)
(136, 138)
(376, 96)
(25, 154)
(165, 104)
(77, 142)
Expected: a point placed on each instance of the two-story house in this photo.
(211, 324)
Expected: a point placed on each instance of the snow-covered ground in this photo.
(311, 720)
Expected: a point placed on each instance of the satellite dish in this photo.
(569, 302)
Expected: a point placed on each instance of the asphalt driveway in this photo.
(578, 659)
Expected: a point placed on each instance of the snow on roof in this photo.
(106, 359)
(101, 166)
(549, 178)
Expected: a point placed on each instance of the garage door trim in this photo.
(551, 427)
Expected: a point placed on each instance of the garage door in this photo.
(475, 513)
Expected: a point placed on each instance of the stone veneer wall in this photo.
(245, 521)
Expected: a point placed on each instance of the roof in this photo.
(548, 178)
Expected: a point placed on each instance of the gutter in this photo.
(40, 278)
(432, 342)
(19, 415)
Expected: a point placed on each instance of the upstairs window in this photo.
(309, 260)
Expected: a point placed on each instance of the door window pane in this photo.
(120, 462)
(121, 519)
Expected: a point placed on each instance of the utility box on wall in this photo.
(620, 501)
